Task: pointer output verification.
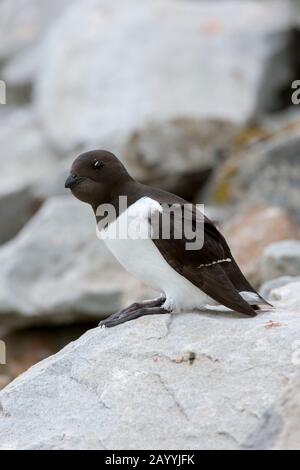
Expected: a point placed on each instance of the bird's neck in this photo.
(120, 197)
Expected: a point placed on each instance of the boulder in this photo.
(280, 259)
(120, 66)
(19, 72)
(179, 155)
(188, 381)
(267, 288)
(23, 26)
(267, 173)
(288, 295)
(28, 157)
(56, 270)
(23, 23)
(25, 161)
(279, 427)
(16, 207)
(27, 346)
(251, 231)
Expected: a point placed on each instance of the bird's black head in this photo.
(95, 175)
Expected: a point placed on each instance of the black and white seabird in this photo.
(186, 279)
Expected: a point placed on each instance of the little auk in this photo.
(187, 278)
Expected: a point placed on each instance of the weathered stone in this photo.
(266, 174)
(24, 22)
(279, 427)
(252, 230)
(288, 294)
(280, 259)
(56, 269)
(25, 347)
(210, 376)
(268, 286)
(140, 72)
(20, 71)
(25, 159)
(179, 155)
(16, 207)
(183, 145)
(25, 156)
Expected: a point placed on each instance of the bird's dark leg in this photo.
(138, 305)
(136, 310)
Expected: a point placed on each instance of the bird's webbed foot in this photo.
(136, 310)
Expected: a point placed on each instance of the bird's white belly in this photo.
(142, 259)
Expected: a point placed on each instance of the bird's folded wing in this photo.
(182, 248)
(201, 266)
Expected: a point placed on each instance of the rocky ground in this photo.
(213, 377)
(206, 113)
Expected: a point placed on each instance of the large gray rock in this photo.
(19, 72)
(16, 207)
(288, 294)
(279, 427)
(56, 269)
(23, 26)
(269, 286)
(25, 155)
(267, 173)
(189, 381)
(120, 66)
(273, 174)
(179, 155)
(280, 259)
(26, 160)
(185, 145)
(24, 22)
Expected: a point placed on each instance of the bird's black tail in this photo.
(241, 284)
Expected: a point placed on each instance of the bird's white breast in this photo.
(129, 239)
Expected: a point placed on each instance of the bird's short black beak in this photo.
(71, 181)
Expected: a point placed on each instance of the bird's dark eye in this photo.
(97, 165)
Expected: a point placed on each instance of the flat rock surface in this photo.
(188, 381)
(279, 427)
